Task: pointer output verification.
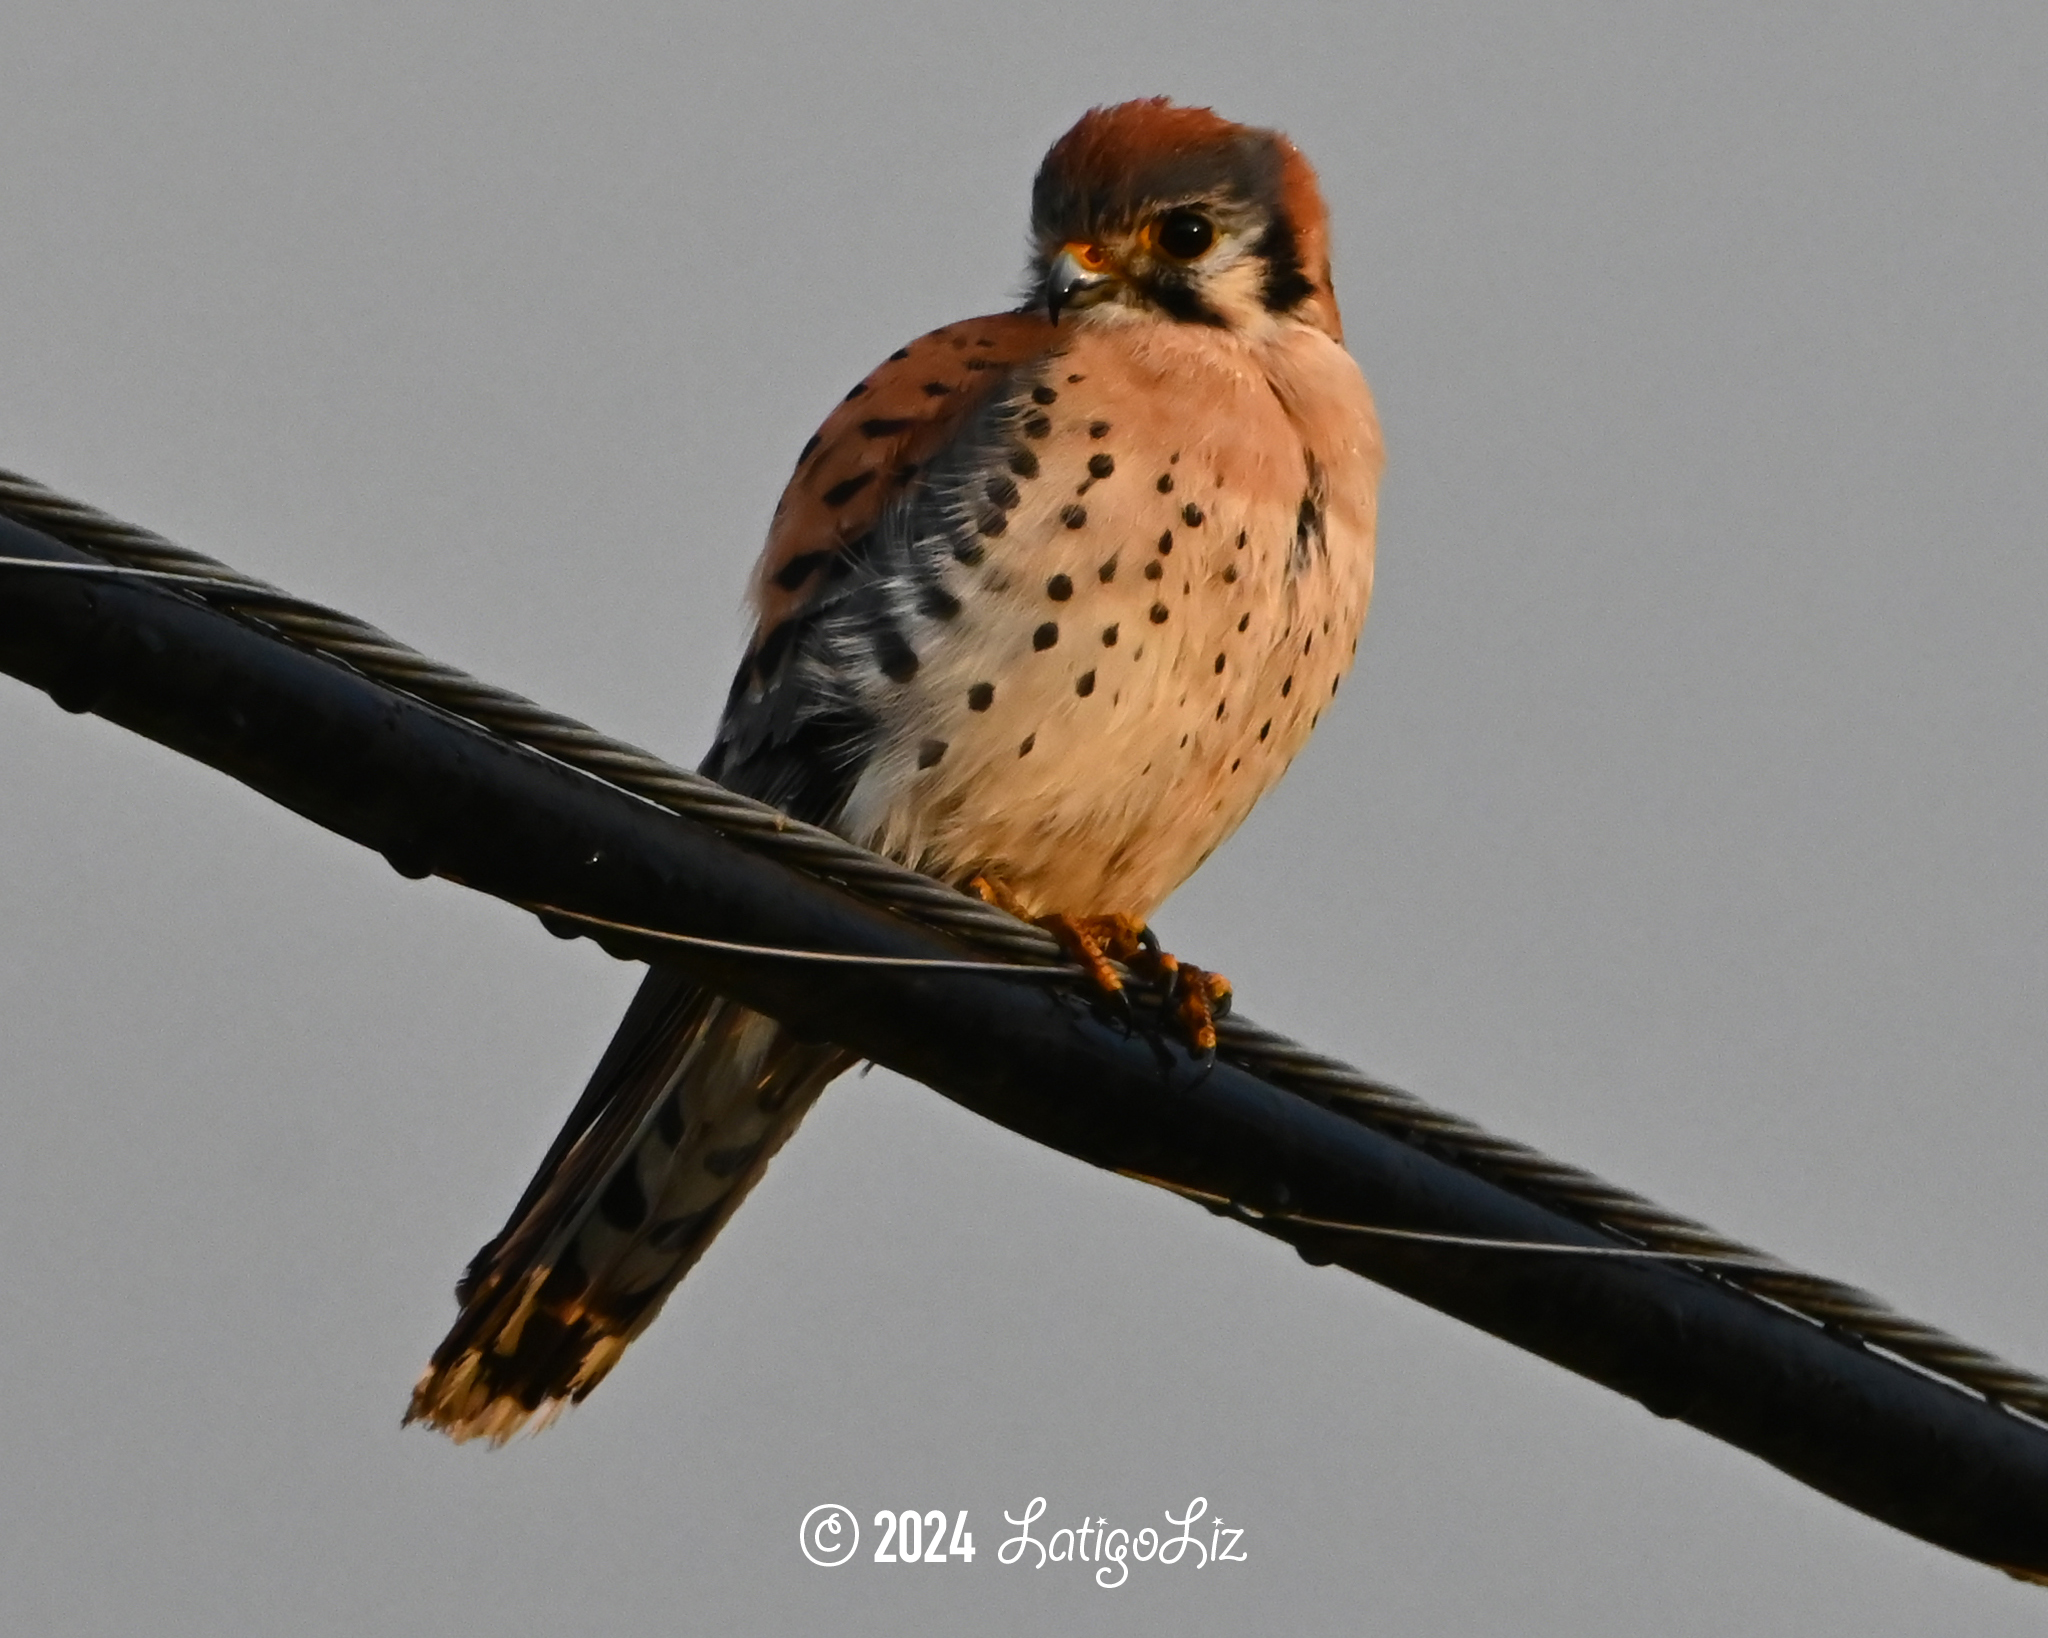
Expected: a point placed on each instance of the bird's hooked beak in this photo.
(1080, 276)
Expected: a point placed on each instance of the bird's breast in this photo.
(1136, 590)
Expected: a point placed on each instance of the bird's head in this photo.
(1151, 208)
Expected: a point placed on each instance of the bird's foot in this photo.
(1193, 998)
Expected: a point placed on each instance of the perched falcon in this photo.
(1051, 599)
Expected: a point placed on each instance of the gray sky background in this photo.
(1685, 818)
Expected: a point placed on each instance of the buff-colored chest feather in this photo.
(1175, 587)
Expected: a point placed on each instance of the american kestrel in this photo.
(1051, 599)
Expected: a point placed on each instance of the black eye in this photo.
(1185, 234)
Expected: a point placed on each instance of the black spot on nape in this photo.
(800, 568)
(1265, 728)
(856, 390)
(1286, 285)
(1101, 466)
(1074, 517)
(1243, 620)
(936, 389)
(934, 602)
(993, 521)
(1002, 489)
(624, 1202)
(1037, 426)
(929, 752)
(1059, 588)
(1219, 665)
(846, 488)
(981, 696)
(899, 354)
(1159, 613)
(969, 552)
(1109, 636)
(1107, 572)
(893, 653)
(1099, 429)
(1043, 394)
(1166, 483)
(810, 447)
(1154, 569)
(1045, 636)
(1029, 741)
(885, 426)
(1024, 463)
(1084, 685)
(1191, 515)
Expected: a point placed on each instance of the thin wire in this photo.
(1253, 1215)
(1525, 1171)
(838, 958)
(123, 571)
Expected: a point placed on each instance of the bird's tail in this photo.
(680, 1118)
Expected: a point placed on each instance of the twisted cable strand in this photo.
(1851, 1313)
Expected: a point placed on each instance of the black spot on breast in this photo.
(1265, 728)
(1003, 491)
(1166, 483)
(1221, 705)
(1099, 429)
(1243, 620)
(1037, 426)
(1073, 516)
(800, 568)
(993, 521)
(1191, 515)
(1287, 688)
(856, 390)
(1240, 540)
(1166, 543)
(844, 490)
(1045, 636)
(624, 1202)
(897, 659)
(929, 752)
(885, 426)
(1107, 572)
(1084, 685)
(1230, 578)
(1101, 466)
(1029, 741)
(1154, 570)
(936, 389)
(981, 696)
(1235, 762)
(934, 602)
(1219, 665)
(1059, 588)
(1043, 395)
(1075, 380)
(1159, 613)
(1109, 636)
(810, 447)
(1024, 463)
